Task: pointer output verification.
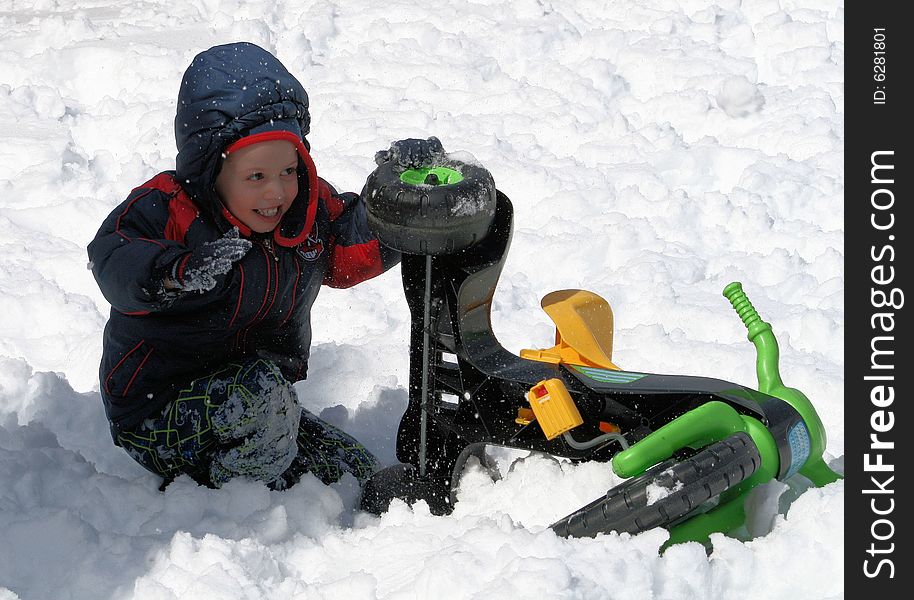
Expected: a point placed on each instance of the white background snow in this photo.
(654, 151)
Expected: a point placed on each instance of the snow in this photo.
(654, 151)
(656, 492)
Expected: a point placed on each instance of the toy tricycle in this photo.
(697, 438)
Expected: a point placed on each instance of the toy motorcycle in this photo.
(698, 439)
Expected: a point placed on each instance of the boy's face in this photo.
(258, 183)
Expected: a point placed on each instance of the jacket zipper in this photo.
(272, 291)
(268, 244)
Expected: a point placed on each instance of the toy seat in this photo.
(583, 330)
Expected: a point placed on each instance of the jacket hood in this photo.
(230, 92)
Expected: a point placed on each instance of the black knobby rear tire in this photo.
(686, 485)
(429, 219)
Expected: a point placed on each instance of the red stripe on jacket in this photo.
(334, 205)
(350, 265)
(181, 209)
(181, 213)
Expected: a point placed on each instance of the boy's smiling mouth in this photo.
(267, 212)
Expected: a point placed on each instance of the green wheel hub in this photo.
(431, 176)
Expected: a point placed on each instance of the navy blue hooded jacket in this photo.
(156, 342)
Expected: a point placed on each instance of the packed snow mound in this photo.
(653, 151)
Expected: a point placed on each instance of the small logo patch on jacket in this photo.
(312, 247)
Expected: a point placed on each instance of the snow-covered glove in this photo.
(412, 153)
(197, 270)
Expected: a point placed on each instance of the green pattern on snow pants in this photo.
(244, 420)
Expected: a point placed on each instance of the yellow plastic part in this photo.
(583, 330)
(553, 407)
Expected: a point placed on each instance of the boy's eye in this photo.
(290, 171)
(255, 176)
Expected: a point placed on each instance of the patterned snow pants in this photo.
(244, 420)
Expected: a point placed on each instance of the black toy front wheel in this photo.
(667, 492)
(433, 210)
(439, 490)
(403, 481)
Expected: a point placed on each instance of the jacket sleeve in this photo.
(130, 256)
(355, 254)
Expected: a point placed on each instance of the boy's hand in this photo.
(197, 271)
(412, 153)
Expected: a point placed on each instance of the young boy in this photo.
(211, 271)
